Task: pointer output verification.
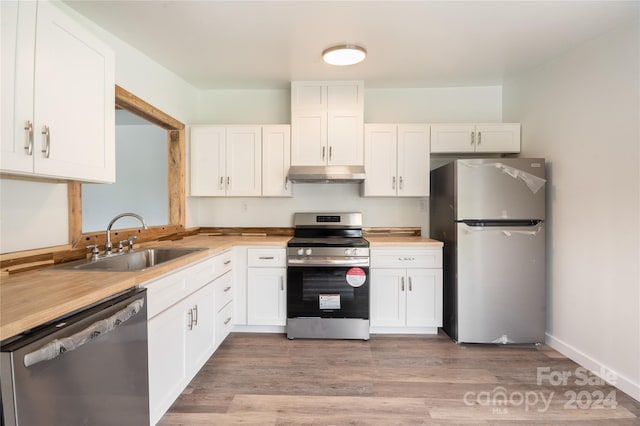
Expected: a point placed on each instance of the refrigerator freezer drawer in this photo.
(501, 284)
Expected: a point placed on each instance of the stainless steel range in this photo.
(328, 277)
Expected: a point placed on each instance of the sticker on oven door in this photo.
(329, 301)
(356, 277)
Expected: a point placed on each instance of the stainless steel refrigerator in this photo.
(490, 215)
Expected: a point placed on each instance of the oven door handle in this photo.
(328, 261)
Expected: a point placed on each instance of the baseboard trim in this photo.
(623, 383)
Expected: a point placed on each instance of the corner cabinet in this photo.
(396, 160)
(240, 161)
(471, 138)
(406, 290)
(58, 96)
(327, 119)
(189, 315)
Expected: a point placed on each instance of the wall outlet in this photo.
(244, 206)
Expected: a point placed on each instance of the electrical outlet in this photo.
(243, 206)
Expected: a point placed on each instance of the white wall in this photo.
(23, 202)
(480, 104)
(581, 111)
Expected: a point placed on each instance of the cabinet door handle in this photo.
(47, 142)
(29, 145)
(195, 321)
(400, 180)
(401, 283)
(221, 182)
(281, 284)
(226, 289)
(227, 321)
(473, 136)
(410, 286)
(393, 183)
(330, 152)
(479, 138)
(190, 326)
(286, 182)
(323, 151)
(228, 182)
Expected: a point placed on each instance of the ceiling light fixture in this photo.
(345, 54)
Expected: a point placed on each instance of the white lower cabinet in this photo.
(186, 324)
(266, 287)
(406, 290)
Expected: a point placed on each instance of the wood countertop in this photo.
(30, 299)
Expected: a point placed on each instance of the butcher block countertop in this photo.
(33, 298)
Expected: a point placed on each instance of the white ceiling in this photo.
(266, 44)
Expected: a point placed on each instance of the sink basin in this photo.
(137, 260)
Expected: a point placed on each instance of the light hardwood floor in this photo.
(266, 379)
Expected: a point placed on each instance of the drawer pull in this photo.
(266, 258)
(226, 262)
(227, 321)
(227, 289)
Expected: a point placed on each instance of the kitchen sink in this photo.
(137, 260)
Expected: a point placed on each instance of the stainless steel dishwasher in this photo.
(89, 368)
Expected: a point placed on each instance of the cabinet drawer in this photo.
(200, 274)
(224, 323)
(223, 291)
(164, 292)
(406, 258)
(223, 263)
(267, 258)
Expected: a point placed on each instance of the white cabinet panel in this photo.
(471, 138)
(397, 160)
(388, 305)
(244, 161)
(208, 159)
(68, 95)
(327, 120)
(266, 296)
(276, 160)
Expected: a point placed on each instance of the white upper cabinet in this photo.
(276, 160)
(58, 94)
(469, 138)
(226, 161)
(396, 160)
(327, 123)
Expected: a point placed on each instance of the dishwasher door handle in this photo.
(58, 347)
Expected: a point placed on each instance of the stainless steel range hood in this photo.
(326, 174)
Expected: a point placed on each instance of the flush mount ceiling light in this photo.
(345, 54)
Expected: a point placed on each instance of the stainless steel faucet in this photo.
(109, 246)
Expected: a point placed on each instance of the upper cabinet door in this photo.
(208, 172)
(244, 161)
(309, 131)
(469, 138)
(74, 111)
(502, 137)
(413, 160)
(276, 160)
(345, 145)
(453, 137)
(380, 161)
(327, 121)
(18, 44)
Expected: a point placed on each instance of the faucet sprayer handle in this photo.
(121, 245)
(131, 239)
(94, 251)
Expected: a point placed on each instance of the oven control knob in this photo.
(300, 251)
(355, 252)
(308, 252)
(347, 252)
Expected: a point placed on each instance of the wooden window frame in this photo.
(176, 176)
